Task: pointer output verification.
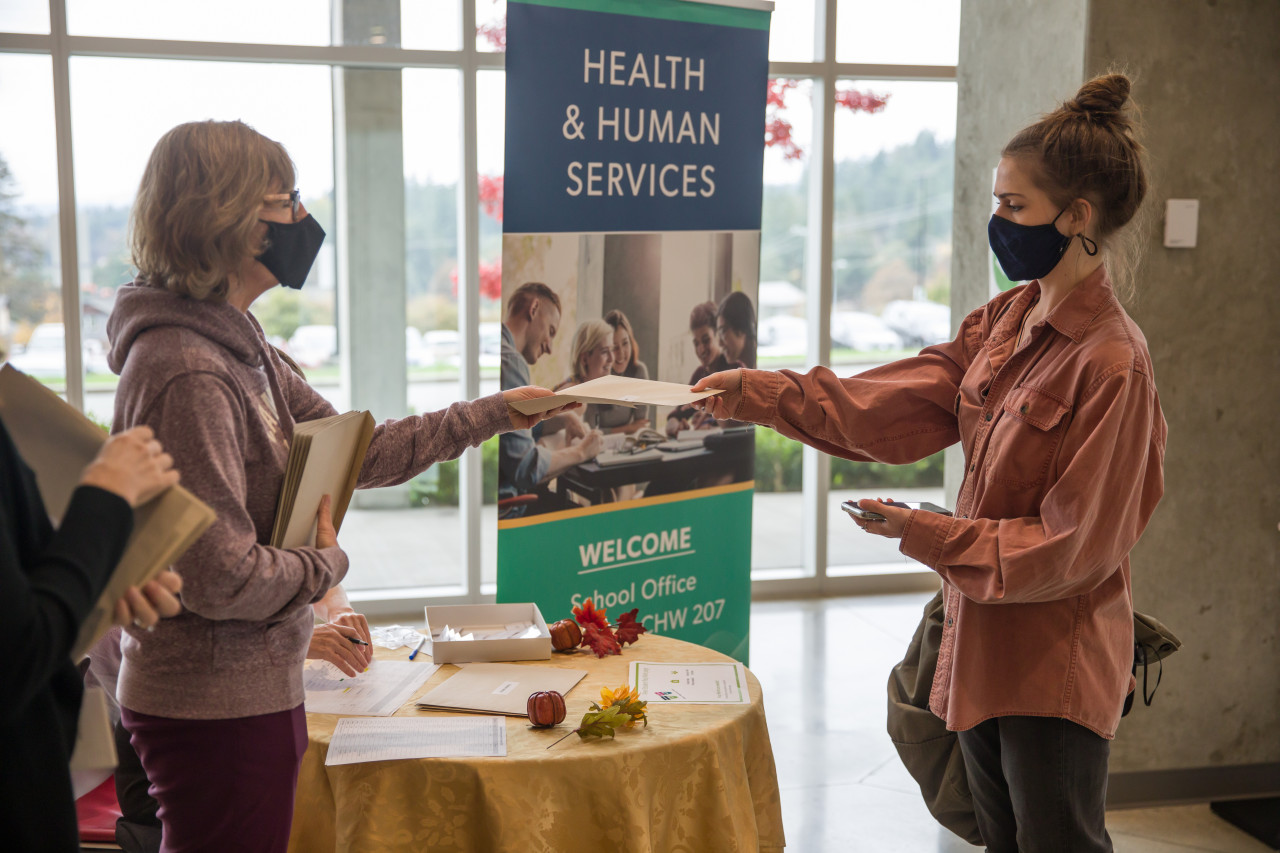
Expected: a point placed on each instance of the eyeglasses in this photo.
(294, 198)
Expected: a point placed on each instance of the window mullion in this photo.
(470, 479)
(817, 466)
(68, 251)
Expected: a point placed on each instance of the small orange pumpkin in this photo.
(546, 709)
(565, 635)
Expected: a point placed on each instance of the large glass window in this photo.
(111, 153)
(891, 273)
(31, 331)
(856, 219)
(783, 334)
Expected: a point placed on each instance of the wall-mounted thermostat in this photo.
(1181, 218)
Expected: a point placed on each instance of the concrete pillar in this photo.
(1017, 60)
(369, 184)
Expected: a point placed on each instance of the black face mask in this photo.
(291, 249)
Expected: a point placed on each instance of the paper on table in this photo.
(357, 739)
(617, 391)
(379, 691)
(691, 683)
(501, 688)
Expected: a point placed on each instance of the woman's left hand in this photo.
(895, 518)
(531, 392)
(156, 599)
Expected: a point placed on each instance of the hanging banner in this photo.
(631, 245)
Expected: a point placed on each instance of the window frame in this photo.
(825, 72)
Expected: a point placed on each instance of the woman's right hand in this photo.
(723, 405)
(132, 465)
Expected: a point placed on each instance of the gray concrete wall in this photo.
(1208, 78)
(1007, 77)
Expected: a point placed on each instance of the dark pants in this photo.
(1039, 785)
(222, 784)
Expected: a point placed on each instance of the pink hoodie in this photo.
(202, 375)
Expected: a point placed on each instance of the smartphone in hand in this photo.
(855, 511)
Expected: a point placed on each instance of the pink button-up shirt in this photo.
(1064, 451)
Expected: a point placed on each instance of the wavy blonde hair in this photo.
(587, 337)
(194, 218)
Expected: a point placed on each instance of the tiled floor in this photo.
(843, 788)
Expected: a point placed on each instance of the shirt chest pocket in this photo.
(1026, 437)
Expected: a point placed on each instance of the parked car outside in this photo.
(863, 332)
(314, 346)
(45, 354)
(443, 345)
(782, 336)
(920, 323)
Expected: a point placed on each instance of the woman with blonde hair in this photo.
(626, 362)
(1050, 390)
(212, 698)
(592, 352)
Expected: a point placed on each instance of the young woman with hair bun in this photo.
(1050, 391)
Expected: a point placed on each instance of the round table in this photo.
(697, 779)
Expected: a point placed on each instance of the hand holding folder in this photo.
(57, 442)
(325, 458)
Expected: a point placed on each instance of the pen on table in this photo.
(357, 641)
(413, 654)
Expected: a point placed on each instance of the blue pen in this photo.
(413, 654)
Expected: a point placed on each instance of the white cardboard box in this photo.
(460, 617)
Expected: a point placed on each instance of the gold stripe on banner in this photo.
(512, 523)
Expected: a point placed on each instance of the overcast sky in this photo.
(120, 107)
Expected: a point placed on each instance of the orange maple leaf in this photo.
(588, 615)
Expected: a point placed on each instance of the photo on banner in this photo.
(631, 246)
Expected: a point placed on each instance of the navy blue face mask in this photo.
(291, 249)
(1027, 252)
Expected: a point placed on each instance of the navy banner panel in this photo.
(626, 123)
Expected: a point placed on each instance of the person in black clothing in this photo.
(49, 582)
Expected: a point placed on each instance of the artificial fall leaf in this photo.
(628, 630)
(600, 641)
(602, 722)
(588, 615)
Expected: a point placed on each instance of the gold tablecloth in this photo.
(698, 779)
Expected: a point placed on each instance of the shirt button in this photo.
(973, 465)
(988, 416)
(948, 621)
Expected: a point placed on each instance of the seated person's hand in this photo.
(723, 405)
(675, 425)
(332, 641)
(133, 465)
(589, 448)
(531, 392)
(157, 599)
(702, 420)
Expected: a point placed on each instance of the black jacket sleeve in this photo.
(49, 580)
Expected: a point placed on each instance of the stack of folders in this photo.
(325, 458)
(57, 442)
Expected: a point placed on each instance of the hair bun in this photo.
(1102, 98)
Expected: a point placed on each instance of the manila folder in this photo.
(501, 688)
(325, 458)
(57, 442)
